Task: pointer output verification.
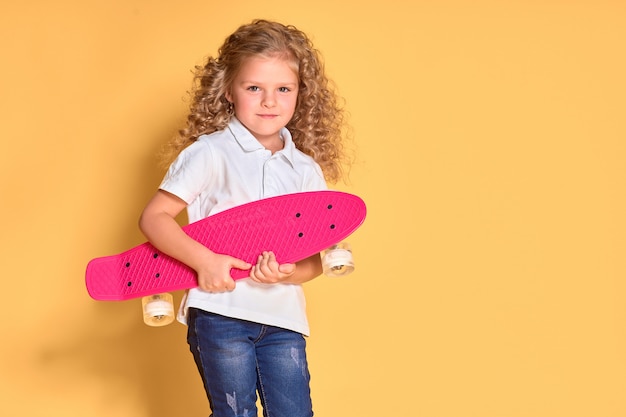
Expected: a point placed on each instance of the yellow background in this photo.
(490, 139)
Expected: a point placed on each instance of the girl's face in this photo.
(264, 95)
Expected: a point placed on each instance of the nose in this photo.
(268, 100)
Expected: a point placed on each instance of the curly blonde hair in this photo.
(318, 122)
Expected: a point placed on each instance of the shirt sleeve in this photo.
(190, 173)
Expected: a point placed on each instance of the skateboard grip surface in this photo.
(293, 226)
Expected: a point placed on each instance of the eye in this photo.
(284, 89)
(253, 88)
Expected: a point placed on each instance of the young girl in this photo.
(263, 121)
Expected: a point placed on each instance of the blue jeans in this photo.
(238, 358)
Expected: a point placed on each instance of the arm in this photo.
(158, 223)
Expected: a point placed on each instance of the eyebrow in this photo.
(260, 83)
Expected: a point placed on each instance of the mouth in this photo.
(267, 116)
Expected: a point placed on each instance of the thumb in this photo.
(287, 268)
(240, 264)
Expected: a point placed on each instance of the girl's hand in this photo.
(268, 271)
(214, 272)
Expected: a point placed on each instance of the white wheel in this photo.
(158, 309)
(337, 260)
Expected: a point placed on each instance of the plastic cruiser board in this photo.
(293, 226)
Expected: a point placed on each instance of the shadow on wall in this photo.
(116, 360)
(125, 360)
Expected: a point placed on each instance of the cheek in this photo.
(290, 102)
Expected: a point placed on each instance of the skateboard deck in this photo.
(293, 226)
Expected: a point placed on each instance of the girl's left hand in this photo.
(268, 271)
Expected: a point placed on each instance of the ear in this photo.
(228, 96)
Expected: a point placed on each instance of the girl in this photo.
(263, 121)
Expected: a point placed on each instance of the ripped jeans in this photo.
(237, 359)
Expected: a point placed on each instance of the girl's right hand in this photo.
(214, 272)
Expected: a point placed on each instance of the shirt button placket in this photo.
(266, 180)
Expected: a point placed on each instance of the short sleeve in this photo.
(190, 173)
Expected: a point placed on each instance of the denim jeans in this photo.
(238, 358)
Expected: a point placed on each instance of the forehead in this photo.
(272, 67)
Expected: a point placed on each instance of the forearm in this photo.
(158, 224)
(307, 270)
(166, 235)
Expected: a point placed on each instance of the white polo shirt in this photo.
(228, 168)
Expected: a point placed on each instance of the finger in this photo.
(262, 264)
(270, 262)
(266, 269)
(230, 286)
(255, 271)
(217, 286)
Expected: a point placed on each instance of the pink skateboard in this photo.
(293, 226)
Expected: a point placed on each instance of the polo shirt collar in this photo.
(249, 143)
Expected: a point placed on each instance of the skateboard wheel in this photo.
(158, 309)
(337, 260)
